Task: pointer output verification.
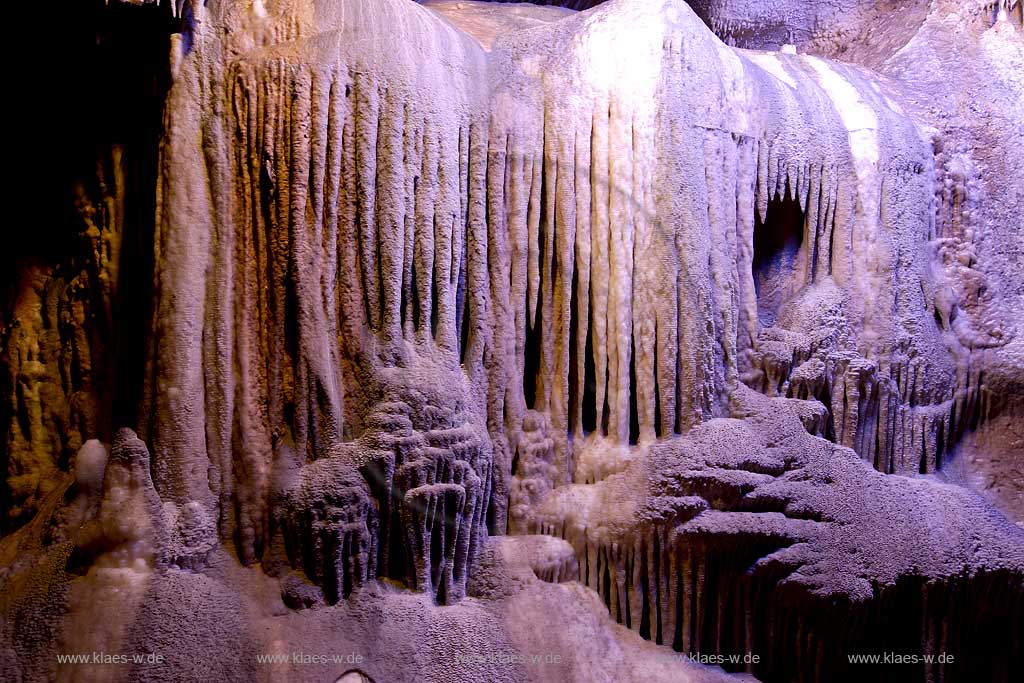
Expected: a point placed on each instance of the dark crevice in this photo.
(437, 546)
(778, 241)
(381, 289)
(462, 304)
(574, 333)
(589, 378)
(923, 469)
(464, 327)
(634, 416)
(414, 305)
(534, 332)
(398, 563)
(657, 393)
(434, 310)
(531, 361)
(606, 408)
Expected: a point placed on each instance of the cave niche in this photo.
(778, 250)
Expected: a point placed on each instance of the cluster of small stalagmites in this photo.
(330, 526)
(406, 500)
(129, 525)
(535, 471)
(777, 355)
(432, 465)
(433, 516)
(117, 517)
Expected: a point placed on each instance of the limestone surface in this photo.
(637, 340)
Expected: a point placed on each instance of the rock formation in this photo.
(488, 341)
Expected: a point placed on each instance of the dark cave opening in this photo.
(92, 120)
(777, 244)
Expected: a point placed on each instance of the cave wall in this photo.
(593, 277)
(656, 284)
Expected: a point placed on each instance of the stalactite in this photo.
(729, 558)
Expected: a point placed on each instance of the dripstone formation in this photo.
(494, 341)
